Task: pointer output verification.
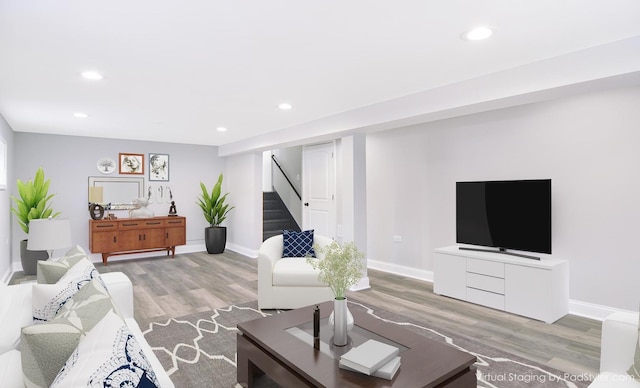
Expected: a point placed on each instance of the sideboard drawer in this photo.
(103, 226)
(175, 222)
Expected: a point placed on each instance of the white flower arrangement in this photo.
(341, 267)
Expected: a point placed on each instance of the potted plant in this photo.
(33, 204)
(341, 267)
(215, 212)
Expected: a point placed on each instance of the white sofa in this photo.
(619, 338)
(290, 282)
(17, 305)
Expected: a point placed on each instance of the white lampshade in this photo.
(49, 234)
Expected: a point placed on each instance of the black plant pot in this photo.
(30, 259)
(215, 238)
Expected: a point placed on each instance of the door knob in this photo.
(306, 204)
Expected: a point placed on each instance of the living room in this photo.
(578, 128)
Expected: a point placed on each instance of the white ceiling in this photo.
(174, 71)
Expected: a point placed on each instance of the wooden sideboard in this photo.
(136, 235)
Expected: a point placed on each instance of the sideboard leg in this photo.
(104, 259)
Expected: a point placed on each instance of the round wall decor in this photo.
(106, 165)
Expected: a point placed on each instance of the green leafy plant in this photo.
(34, 200)
(341, 267)
(212, 205)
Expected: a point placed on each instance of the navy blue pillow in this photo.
(297, 244)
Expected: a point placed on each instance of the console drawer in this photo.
(485, 298)
(484, 267)
(487, 283)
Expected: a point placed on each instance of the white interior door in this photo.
(318, 189)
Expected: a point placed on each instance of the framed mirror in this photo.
(119, 192)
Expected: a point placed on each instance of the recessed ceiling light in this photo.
(80, 115)
(478, 33)
(285, 106)
(221, 129)
(92, 75)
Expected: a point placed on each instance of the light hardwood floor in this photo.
(168, 288)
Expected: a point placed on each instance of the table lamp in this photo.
(49, 234)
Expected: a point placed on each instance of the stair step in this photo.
(275, 216)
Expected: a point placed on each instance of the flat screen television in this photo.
(512, 214)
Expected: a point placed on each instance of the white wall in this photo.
(69, 160)
(587, 144)
(5, 198)
(243, 181)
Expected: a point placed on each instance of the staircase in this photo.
(275, 216)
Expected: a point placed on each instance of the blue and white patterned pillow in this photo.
(109, 356)
(297, 244)
(48, 299)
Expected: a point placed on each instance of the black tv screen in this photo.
(505, 214)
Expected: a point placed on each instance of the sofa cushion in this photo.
(48, 299)
(46, 347)
(15, 313)
(295, 272)
(297, 244)
(10, 370)
(108, 353)
(50, 271)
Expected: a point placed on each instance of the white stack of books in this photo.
(372, 358)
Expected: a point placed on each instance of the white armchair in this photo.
(619, 337)
(289, 282)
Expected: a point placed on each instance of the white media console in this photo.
(537, 289)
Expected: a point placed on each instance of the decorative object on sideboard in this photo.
(215, 212)
(131, 163)
(33, 204)
(150, 194)
(96, 197)
(158, 167)
(106, 165)
(172, 209)
(140, 209)
(96, 211)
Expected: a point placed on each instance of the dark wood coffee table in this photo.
(269, 345)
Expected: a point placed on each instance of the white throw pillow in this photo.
(46, 347)
(108, 353)
(48, 299)
(50, 271)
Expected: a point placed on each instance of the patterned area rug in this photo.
(199, 350)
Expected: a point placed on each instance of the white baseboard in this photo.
(253, 253)
(6, 276)
(401, 270)
(593, 311)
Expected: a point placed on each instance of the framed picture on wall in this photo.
(131, 163)
(158, 167)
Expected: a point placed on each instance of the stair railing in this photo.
(273, 157)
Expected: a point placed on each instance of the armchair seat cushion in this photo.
(295, 271)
